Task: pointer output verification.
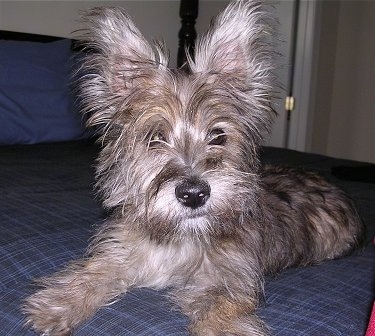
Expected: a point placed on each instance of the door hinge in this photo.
(289, 103)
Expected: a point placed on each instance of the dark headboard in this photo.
(16, 36)
(187, 33)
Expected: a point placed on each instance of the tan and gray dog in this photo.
(192, 208)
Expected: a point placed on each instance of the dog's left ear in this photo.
(236, 53)
(118, 58)
(235, 45)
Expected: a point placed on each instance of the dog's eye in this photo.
(156, 139)
(217, 137)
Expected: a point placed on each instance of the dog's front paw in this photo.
(51, 314)
(249, 326)
(226, 318)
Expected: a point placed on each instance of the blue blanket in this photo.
(48, 212)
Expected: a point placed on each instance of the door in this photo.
(284, 12)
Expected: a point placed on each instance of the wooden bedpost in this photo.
(187, 33)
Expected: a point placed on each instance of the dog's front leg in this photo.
(69, 297)
(216, 313)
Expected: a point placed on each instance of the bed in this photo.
(48, 211)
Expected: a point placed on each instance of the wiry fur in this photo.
(163, 128)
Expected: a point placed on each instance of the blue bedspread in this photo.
(47, 215)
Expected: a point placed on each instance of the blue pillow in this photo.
(36, 103)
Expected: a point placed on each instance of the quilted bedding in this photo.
(48, 212)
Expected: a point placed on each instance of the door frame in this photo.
(301, 118)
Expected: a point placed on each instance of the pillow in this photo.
(36, 103)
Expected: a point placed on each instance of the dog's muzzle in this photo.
(193, 193)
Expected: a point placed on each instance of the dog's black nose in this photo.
(193, 193)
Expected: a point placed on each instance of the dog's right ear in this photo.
(235, 43)
(237, 52)
(117, 58)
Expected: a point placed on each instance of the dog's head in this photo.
(179, 148)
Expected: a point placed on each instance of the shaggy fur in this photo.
(192, 209)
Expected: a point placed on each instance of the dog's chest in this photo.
(161, 266)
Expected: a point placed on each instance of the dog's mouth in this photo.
(196, 213)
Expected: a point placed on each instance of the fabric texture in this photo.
(48, 213)
(36, 100)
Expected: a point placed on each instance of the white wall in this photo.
(352, 120)
(344, 113)
(157, 19)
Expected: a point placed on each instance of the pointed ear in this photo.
(118, 58)
(235, 43)
(236, 53)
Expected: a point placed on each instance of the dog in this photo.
(191, 207)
